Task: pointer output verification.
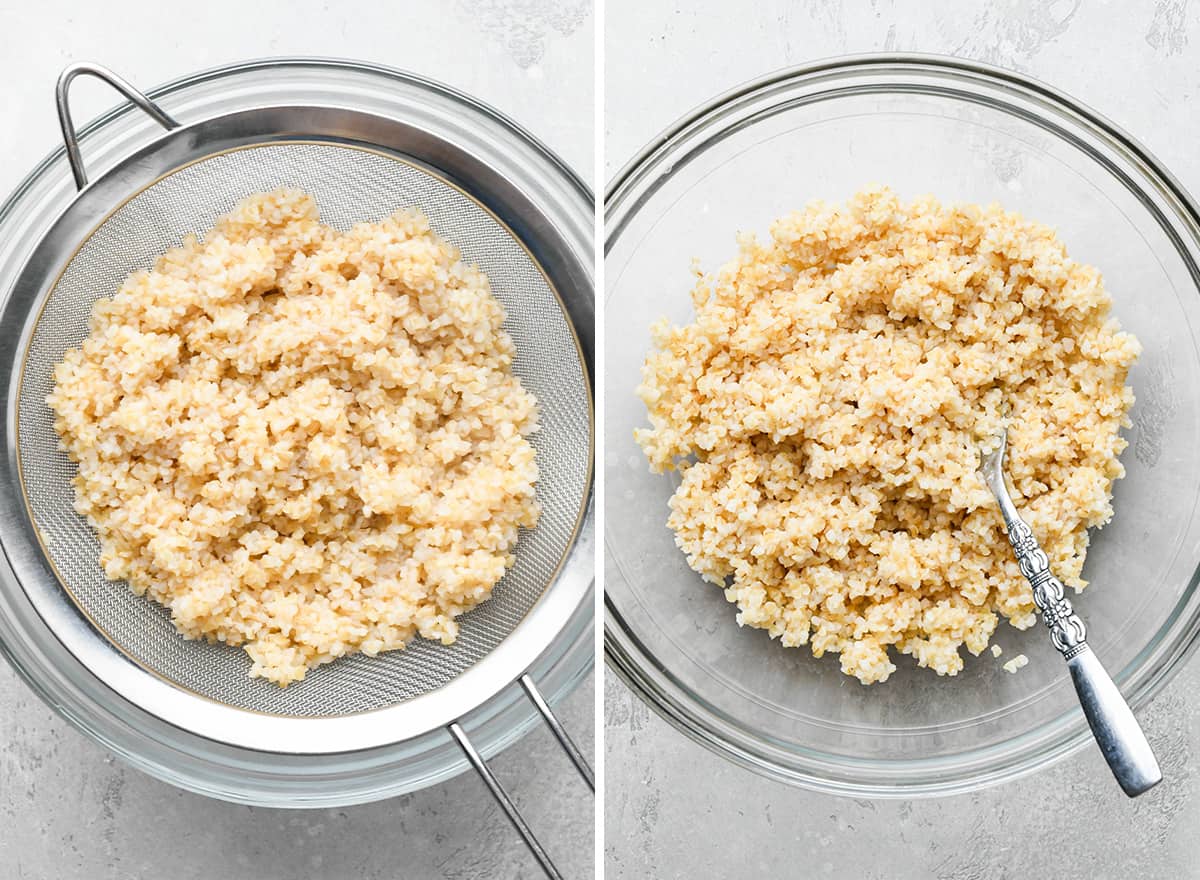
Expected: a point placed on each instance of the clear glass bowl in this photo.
(67, 683)
(964, 132)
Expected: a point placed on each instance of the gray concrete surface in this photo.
(69, 810)
(675, 810)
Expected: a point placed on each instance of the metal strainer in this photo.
(360, 167)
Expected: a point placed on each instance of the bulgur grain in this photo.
(305, 442)
(827, 405)
(1016, 663)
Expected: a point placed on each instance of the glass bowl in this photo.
(963, 132)
(70, 684)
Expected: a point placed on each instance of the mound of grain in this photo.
(827, 405)
(301, 441)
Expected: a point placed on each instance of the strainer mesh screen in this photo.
(350, 185)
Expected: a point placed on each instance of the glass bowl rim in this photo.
(272, 778)
(960, 772)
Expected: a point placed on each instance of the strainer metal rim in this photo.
(194, 142)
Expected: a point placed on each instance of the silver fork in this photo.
(1116, 730)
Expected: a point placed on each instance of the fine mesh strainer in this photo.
(360, 166)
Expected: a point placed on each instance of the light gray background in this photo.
(675, 810)
(67, 809)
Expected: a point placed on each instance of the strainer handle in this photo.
(497, 790)
(70, 138)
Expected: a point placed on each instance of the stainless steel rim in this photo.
(20, 540)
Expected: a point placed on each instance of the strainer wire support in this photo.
(505, 802)
(61, 98)
(560, 734)
(497, 790)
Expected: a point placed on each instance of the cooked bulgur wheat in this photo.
(827, 406)
(1016, 664)
(302, 441)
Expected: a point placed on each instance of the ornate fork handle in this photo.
(1067, 631)
(1117, 731)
